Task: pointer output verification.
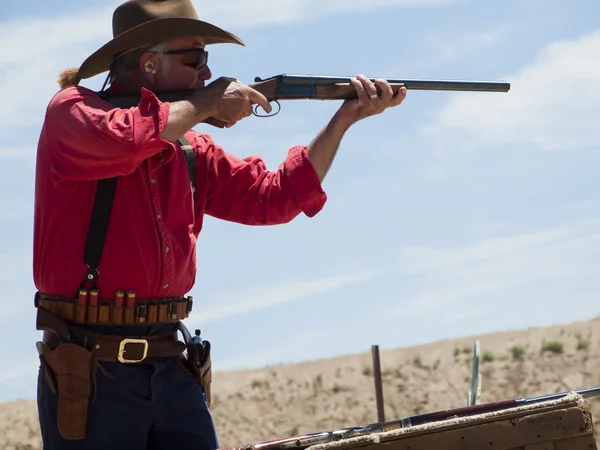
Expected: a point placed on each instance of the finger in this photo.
(360, 89)
(399, 96)
(257, 97)
(248, 110)
(370, 88)
(386, 92)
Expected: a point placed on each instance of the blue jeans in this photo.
(151, 406)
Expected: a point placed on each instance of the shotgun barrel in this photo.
(413, 84)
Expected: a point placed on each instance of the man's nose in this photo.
(205, 72)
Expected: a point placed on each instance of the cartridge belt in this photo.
(104, 312)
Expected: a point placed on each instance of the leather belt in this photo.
(126, 349)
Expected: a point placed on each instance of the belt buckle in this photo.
(122, 350)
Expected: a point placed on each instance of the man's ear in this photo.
(147, 65)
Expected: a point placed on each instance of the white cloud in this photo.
(244, 14)
(263, 297)
(452, 279)
(554, 103)
(14, 264)
(590, 205)
(46, 46)
(271, 352)
(419, 260)
(17, 283)
(465, 41)
(21, 152)
(23, 368)
(444, 47)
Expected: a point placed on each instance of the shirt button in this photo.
(167, 249)
(158, 216)
(166, 286)
(161, 160)
(152, 181)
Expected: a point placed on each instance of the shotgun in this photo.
(307, 440)
(319, 87)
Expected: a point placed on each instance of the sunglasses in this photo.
(193, 57)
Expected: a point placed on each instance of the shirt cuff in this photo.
(304, 181)
(156, 114)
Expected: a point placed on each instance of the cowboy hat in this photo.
(138, 23)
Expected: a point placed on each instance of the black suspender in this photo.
(105, 193)
(100, 218)
(190, 159)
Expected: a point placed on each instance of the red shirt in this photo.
(150, 246)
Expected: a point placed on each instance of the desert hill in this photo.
(274, 402)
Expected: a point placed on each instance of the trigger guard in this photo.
(266, 115)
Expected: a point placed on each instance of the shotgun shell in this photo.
(130, 299)
(94, 297)
(119, 297)
(83, 297)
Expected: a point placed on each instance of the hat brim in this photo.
(150, 33)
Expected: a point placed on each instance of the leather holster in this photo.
(73, 368)
(202, 373)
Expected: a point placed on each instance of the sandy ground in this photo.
(275, 402)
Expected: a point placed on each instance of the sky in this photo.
(455, 214)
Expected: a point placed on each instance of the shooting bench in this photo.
(563, 424)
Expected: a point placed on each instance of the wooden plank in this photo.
(586, 442)
(499, 434)
(542, 446)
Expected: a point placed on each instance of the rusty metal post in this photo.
(378, 383)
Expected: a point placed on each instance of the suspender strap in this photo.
(190, 159)
(103, 201)
(105, 193)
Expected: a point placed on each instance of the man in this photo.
(117, 217)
